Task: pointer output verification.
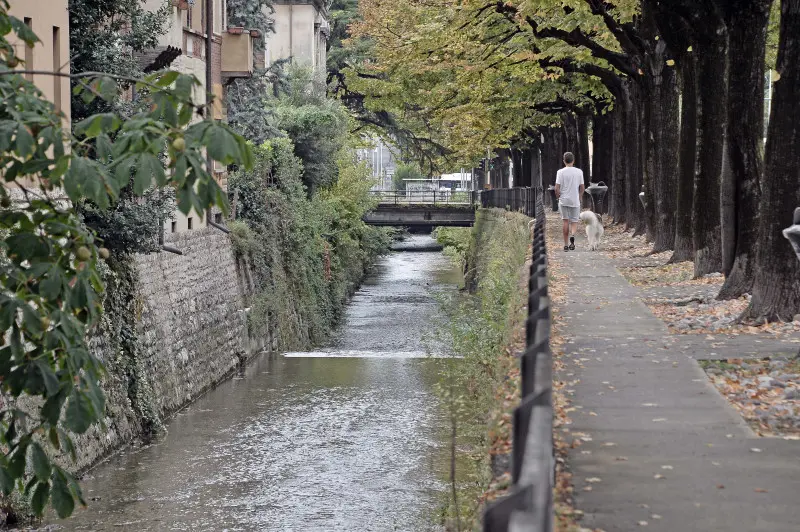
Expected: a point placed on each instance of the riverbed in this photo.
(348, 437)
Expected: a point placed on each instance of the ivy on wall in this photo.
(306, 254)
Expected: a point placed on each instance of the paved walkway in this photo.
(662, 450)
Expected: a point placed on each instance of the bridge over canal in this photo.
(411, 208)
(423, 208)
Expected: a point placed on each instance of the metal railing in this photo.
(529, 506)
(424, 197)
(518, 199)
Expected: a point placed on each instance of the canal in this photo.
(346, 438)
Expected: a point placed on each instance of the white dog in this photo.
(594, 228)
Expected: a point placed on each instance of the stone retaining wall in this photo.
(191, 318)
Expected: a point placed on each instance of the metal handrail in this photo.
(424, 197)
(529, 506)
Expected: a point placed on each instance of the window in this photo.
(218, 218)
(57, 81)
(174, 226)
(29, 52)
(189, 223)
(189, 15)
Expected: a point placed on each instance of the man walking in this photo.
(569, 191)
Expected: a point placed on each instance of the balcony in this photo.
(237, 53)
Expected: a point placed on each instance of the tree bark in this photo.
(747, 22)
(551, 155)
(502, 168)
(712, 115)
(687, 157)
(583, 147)
(617, 205)
(571, 139)
(776, 285)
(634, 214)
(678, 35)
(516, 165)
(603, 155)
(661, 138)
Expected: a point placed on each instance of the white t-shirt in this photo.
(570, 179)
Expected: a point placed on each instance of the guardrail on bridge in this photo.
(424, 197)
(529, 506)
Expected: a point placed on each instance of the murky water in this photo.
(346, 438)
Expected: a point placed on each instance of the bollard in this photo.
(597, 191)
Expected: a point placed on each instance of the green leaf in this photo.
(16, 465)
(98, 124)
(49, 378)
(8, 313)
(149, 167)
(61, 496)
(167, 78)
(51, 409)
(79, 416)
(31, 320)
(27, 246)
(41, 463)
(6, 482)
(50, 288)
(122, 172)
(222, 145)
(39, 499)
(25, 141)
(106, 87)
(66, 443)
(53, 435)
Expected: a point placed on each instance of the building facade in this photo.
(301, 33)
(49, 19)
(381, 161)
(183, 49)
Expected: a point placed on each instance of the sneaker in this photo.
(566, 248)
(572, 242)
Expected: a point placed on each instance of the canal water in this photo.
(347, 438)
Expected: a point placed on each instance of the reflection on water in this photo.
(344, 438)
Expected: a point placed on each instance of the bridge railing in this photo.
(529, 506)
(424, 197)
(520, 199)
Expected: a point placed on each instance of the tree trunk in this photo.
(502, 167)
(776, 285)
(661, 143)
(617, 204)
(516, 167)
(603, 155)
(571, 140)
(551, 155)
(534, 170)
(687, 157)
(747, 22)
(712, 114)
(678, 35)
(583, 148)
(634, 214)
